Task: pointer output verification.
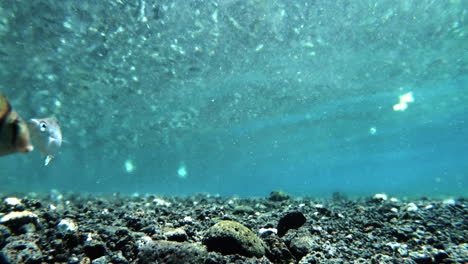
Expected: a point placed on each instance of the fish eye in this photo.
(42, 126)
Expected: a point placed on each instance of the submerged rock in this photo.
(170, 252)
(278, 196)
(277, 251)
(21, 252)
(291, 220)
(176, 234)
(19, 218)
(20, 222)
(4, 234)
(94, 249)
(302, 243)
(231, 237)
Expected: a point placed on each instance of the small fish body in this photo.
(14, 133)
(47, 136)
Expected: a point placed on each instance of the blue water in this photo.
(245, 97)
(421, 151)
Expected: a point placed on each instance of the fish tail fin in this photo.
(48, 159)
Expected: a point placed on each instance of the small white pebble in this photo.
(412, 207)
(393, 245)
(147, 239)
(317, 228)
(265, 230)
(380, 196)
(12, 201)
(67, 225)
(449, 202)
(429, 206)
(161, 202)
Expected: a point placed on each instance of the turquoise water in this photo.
(240, 97)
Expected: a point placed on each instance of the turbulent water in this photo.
(241, 97)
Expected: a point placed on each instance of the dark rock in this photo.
(59, 258)
(21, 252)
(135, 222)
(177, 234)
(457, 253)
(243, 209)
(230, 237)
(151, 230)
(400, 235)
(4, 234)
(313, 258)
(169, 252)
(119, 258)
(441, 255)
(71, 240)
(381, 258)
(276, 250)
(278, 196)
(303, 244)
(291, 220)
(94, 249)
(324, 211)
(51, 217)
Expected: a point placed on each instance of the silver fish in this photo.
(47, 136)
(14, 133)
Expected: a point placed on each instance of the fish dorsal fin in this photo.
(5, 107)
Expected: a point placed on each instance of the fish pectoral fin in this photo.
(48, 159)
